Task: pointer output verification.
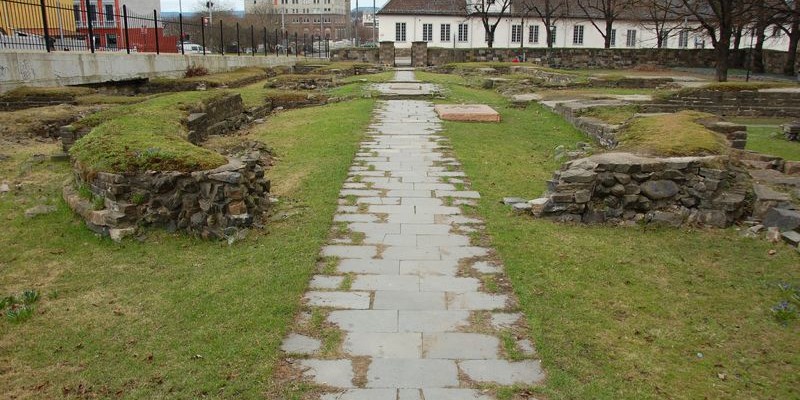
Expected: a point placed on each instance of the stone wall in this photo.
(626, 188)
(419, 54)
(765, 102)
(604, 58)
(385, 54)
(365, 55)
(213, 204)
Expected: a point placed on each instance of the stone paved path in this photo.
(408, 291)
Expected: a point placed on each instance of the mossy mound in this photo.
(27, 93)
(671, 135)
(145, 136)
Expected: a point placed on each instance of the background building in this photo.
(327, 18)
(447, 23)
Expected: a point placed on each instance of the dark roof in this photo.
(424, 7)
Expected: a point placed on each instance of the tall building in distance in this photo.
(326, 18)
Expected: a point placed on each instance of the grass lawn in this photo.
(628, 313)
(765, 135)
(168, 316)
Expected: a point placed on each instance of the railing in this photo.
(49, 25)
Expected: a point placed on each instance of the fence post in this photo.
(277, 41)
(221, 38)
(296, 54)
(305, 39)
(180, 22)
(91, 27)
(125, 25)
(203, 33)
(266, 42)
(155, 25)
(44, 26)
(252, 41)
(238, 48)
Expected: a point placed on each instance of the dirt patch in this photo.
(42, 122)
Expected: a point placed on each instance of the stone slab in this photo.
(467, 112)
(300, 344)
(460, 346)
(391, 300)
(362, 394)
(345, 300)
(335, 373)
(503, 372)
(383, 345)
(405, 374)
(365, 320)
(432, 321)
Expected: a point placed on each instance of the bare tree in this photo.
(549, 11)
(788, 14)
(661, 17)
(491, 12)
(605, 12)
(719, 18)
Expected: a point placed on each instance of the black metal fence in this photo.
(49, 25)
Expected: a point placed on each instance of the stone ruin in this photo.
(627, 188)
(792, 131)
(213, 204)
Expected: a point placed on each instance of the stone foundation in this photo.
(213, 204)
(623, 187)
(765, 102)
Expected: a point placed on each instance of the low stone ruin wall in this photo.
(365, 55)
(213, 204)
(765, 102)
(623, 187)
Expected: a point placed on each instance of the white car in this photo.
(192, 48)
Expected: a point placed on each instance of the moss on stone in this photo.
(676, 134)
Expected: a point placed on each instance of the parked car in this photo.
(192, 48)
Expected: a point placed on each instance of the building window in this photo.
(400, 32)
(577, 35)
(76, 10)
(92, 12)
(533, 34)
(444, 33)
(111, 41)
(516, 33)
(631, 39)
(427, 32)
(683, 39)
(664, 39)
(613, 40)
(109, 12)
(553, 35)
(463, 33)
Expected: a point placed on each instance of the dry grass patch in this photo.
(676, 134)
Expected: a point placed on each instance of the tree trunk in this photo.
(723, 50)
(790, 68)
(758, 50)
(607, 37)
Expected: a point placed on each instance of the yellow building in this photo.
(25, 17)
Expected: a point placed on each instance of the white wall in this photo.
(645, 36)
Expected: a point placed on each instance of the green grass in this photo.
(612, 115)
(145, 136)
(170, 316)
(622, 313)
(770, 140)
(671, 135)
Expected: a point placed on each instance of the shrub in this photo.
(194, 70)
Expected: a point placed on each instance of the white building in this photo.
(446, 23)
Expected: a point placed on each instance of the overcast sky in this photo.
(193, 5)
